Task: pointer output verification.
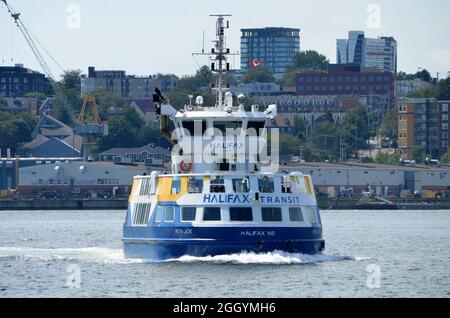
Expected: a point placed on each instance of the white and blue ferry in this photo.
(222, 196)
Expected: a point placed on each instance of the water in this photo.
(39, 249)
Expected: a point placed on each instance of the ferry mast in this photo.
(219, 55)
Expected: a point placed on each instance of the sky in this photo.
(147, 37)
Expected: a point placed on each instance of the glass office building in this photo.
(274, 47)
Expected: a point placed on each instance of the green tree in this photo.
(443, 89)
(389, 124)
(446, 158)
(306, 61)
(15, 129)
(418, 155)
(71, 80)
(259, 74)
(108, 103)
(124, 129)
(387, 158)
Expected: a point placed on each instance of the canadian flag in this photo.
(255, 63)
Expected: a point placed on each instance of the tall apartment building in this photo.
(349, 80)
(444, 126)
(418, 126)
(18, 81)
(129, 86)
(274, 47)
(379, 54)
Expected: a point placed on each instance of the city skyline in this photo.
(102, 33)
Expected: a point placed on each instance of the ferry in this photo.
(225, 193)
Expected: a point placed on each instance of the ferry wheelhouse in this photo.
(225, 193)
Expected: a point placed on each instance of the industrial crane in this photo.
(87, 127)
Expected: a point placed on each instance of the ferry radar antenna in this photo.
(219, 56)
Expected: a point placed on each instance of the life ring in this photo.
(185, 166)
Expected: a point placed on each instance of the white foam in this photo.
(87, 254)
(276, 257)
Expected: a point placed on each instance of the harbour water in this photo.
(51, 254)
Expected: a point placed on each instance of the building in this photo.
(418, 127)
(17, 81)
(444, 126)
(20, 105)
(49, 126)
(283, 122)
(379, 54)
(45, 147)
(405, 87)
(256, 89)
(10, 167)
(127, 86)
(274, 47)
(383, 180)
(148, 155)
(77, 178)
(146, 110)
(348, 80)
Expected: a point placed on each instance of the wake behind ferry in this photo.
(225, 193)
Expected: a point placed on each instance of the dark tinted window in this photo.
(256, 125)
(271, 214)
(211, 214)
(190, 124)
(188, 214)
(241, 214)
(295, 215)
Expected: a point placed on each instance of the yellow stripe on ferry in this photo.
(165, 189)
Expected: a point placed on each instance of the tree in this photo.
(443, 89)
(387, 158)
(15, 129)
(108, 103)
(71, 80)
(389, 124)
(260, 74)
(446, 158)
(306, 61)
(418, 155)
(123, 130)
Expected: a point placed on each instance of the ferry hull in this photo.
(230, 241)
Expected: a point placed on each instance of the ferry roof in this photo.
(221, 114)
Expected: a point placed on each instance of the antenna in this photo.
(219, 55)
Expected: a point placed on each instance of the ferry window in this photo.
(188, 214)
(286, 187)
(266, 185)
(217, 185)
(295, 215)
(256, 125)
(241, 185)
(191, 125)
(159, 214)
(145, 187)
(195, 185)
(271, 214)
(169, 214)
(176, 186)
(241, 214)
(310, 214)
(141, 213)
(224, 125)
(211, 214)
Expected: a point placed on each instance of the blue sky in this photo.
(146, 36)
